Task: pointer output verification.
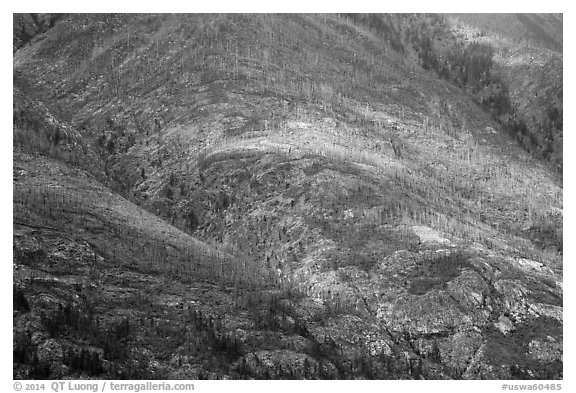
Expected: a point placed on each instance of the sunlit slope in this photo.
(538, 30)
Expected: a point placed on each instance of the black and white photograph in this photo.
(287, 196)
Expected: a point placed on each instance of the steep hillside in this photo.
(373, 220)
(528, 61)
(535, 30)
(27, 26)
(494, 59)
(105, 289)
(536, 92)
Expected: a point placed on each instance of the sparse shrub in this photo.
(101, 140)
(172, 179)
(436, 273)
(66, 317)
(222, 201)
(23, 350)
(29, 257)
(19, 300)
(39, 370)
(110, 145)
(192, 221)
(382, 25)
(55, 137)
(122, 329)
(343, 276)
(496, 98)
(114, 340)
(426, 53)
(435, 355)
(183, 189)
(84, 361)
(166, 191)
(478, 64)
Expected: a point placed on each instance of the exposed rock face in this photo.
(504, 325)
(545, 351)
(428, 235)
(283, 364)
(50, 353)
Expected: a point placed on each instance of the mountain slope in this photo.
(26, 26)
(536, 30)
(89, 265)
(401, 233)
(531, 68)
